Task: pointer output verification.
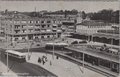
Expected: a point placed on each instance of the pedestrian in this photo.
(39, 60)
(57, 57)
(43, 62)
(45, 58)
(50, 63)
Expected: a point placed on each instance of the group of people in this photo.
(44, 59)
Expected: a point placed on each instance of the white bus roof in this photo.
(56, 44)
(15, 52)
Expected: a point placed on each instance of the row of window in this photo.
(35, 30)
(42, 21)
(43, 26)
(36, 37)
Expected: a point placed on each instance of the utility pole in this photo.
(7, 63)
(53, 47)
(7, 52)
(29, 50)
(83, 62)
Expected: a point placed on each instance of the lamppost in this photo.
(29, 46)
(83, 61)
(53, 47)
(7, 53)
(7, 63)
(83, 65)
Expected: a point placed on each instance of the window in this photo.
(23, 31)
(17, 31)
(43, 26)
(37, 29)
(23, 26)
(36, 37)
(37, 21)
(42, 36)
(48, 21)
(30, 30)
(42, 21)
(48, 36)
(17, 26)
(30, 21)
(59, 25)
(16, 39)
(48, 25)
(54, 26)
(23, 38)
(54, 30)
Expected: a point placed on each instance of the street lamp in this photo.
(53, 47)
(83, 65)
(29, 46)
(7, 63)
(7, 54)
(83, 61)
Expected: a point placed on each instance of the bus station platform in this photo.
(62, 67)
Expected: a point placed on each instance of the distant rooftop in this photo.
(115, 36)
(109, 31)
(60, 13)
(94, 23)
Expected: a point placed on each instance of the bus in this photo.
(56, 46)
(15, 56)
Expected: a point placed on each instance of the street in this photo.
(26, 69)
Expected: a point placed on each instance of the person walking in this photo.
(43, 62)
(39, 60)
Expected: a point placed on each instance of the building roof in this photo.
(15, 52)
(96, 54)
(94, 23)
(106, 35)
(109, 31)
(68, 23)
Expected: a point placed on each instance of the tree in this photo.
(83, 15)
(106, 15)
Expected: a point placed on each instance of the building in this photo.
(91, 27)
(19, 27)
(54, 15)
(97, 32)
(69, 26)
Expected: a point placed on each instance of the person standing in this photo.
(39, 60)
(50, 63)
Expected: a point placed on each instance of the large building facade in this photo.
(19, 27)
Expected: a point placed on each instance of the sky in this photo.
(87, 6)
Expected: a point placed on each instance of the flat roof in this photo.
(57, 43)
(15, 52)
(107, 35)
(96, 54)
